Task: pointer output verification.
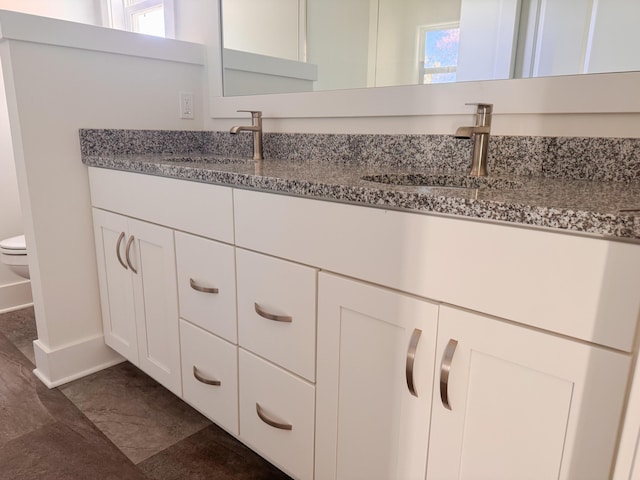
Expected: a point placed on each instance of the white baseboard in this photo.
(15, 296)
(55, 367)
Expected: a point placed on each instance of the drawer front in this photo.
(577, 286)
(214, 360)
(194, 207)
(207, 284)
(283, 401)
(277, 311)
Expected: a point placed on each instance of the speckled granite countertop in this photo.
(564, 204)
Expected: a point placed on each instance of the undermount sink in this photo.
(443, 181)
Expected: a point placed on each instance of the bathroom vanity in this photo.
(343, 340)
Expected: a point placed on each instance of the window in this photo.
(439, 53)
(151, 17)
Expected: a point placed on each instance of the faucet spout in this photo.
(256, 128)
(469, 132)
(242, 128)
(480, 135)
(464, 132)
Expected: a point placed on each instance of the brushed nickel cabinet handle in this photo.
(118, 243)
(128, 252)
(198, 376)
(445, 370)
(411, 357)
(270, 316)
(200, 288)
(271, 422)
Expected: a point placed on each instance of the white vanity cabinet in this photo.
(376, 351)
(511, 402)
(427, 359)
(137, 276)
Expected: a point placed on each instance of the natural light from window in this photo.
(439, 53)
(150, 21)
(149, 17)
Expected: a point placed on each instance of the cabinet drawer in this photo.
(277, 311)
(207, 284)
(283, 401)
(207, 358)
(194, 207)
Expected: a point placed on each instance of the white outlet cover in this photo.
(186, 104)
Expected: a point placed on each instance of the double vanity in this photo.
(351, 321)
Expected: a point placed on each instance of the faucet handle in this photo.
(254, 113)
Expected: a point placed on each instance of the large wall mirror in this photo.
(285, 46)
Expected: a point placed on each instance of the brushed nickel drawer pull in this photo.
(270, 316)
(200, 288)
(411, 357)
(118, 243)
(271, 422)
(445, 370)
(128, 252)
(198, 376)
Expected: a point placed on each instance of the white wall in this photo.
(265, 27)
(562, 35)
(53, 91)
(615, 37)
(338, 42)
(487, 39)
(198, 21)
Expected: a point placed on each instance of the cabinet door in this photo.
(155, 292)
(374, 383)
(518, 403)
(116, 286)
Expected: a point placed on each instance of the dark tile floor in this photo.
(115, 424)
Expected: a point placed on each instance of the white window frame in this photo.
(119, 15)
(422, 31)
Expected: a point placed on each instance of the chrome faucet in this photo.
(480, 134)
(256, 128)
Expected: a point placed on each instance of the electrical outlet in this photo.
(186, 104)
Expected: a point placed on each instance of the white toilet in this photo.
(13, 253)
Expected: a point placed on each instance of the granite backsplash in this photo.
(580, 158)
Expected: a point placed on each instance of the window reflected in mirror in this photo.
(439, 53)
